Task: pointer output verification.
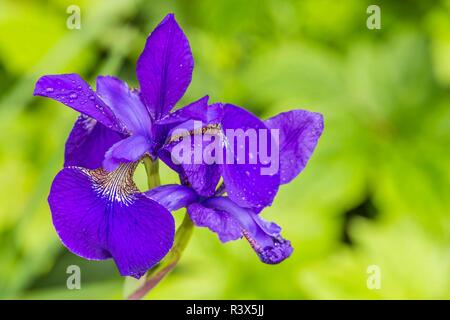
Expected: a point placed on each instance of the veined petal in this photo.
(74, 92)
(300, 131)
(184, 153)
(263, 236)
(88, 142)
(125, 103)
(203, 178)
(247, 182)
(99, 215)
(164, 69)
(218, 221)
(172, 196)
(130, 149)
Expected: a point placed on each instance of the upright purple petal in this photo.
(125, 103)
(88, 142)
(164, 69)
(99, 215)
(130, 149)
(246, 182)
(74, 92)
(197, 110)
(172, 196)
(300, 131)
(263, 236)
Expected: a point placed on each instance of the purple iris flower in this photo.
(299, 133)
(97, 210)
(246, 184)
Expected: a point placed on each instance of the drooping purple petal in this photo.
(218, 221)
(164, 69)
(74, 92)
(141, 234)
(172, 196)
(99, 215)
(125, 103)
(249, 181)
(88, 142)
(78, 214)
(300, 131)
(130, 149)
(270, 246)
(263, 236)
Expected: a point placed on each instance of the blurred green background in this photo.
(376, 191)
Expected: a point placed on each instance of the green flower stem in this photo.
(137, 289)
(152, 169)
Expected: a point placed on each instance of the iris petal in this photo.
(127, 150)
(246, 183)
(172, 196)
(125, 103)
(198, 110)
(74, 92)
(300, 131)
(218, 221)
(99, 215)
(222, 216)
(164, 69)
(271, 247)
(183, 152)
(87, 143)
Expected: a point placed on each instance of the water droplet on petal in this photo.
(73, 96)
(49, 89)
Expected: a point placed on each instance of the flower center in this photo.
(210, 129)
(117, 185)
